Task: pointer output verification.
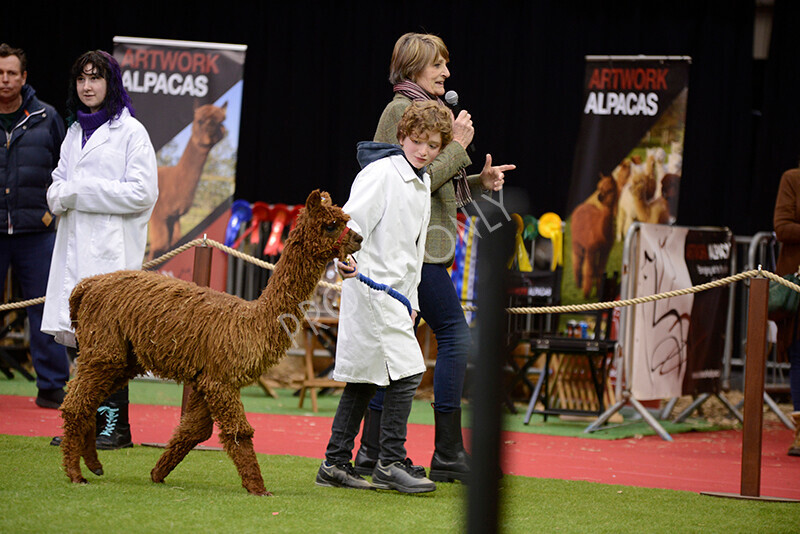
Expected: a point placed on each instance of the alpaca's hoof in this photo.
(158, 479)
(95, 467)
(256, 487)
(75, 476)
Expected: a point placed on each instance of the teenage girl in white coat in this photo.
(104, 189)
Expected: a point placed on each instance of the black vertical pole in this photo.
(494, 248)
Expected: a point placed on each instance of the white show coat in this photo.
(390, 207)
(103, 194)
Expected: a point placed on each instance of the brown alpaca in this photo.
(656, 211)
(177, 185)
(129, 322)
(638, 191)
(593, 235)
(621, 173)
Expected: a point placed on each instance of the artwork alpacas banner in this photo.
(188, 95)
(627, 165)
(678, 342)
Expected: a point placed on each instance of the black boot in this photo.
(450, 461)
(113, 428)
(367, 455)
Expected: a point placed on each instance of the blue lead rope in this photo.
(383, 287)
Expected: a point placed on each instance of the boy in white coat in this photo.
(389, 206)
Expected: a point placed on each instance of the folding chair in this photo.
(573, 380)
(528, 289)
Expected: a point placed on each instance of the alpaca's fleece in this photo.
(128, 322)
(174, 328)
(593, 235)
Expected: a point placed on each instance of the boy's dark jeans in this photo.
(353, 404)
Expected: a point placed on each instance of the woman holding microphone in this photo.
(418, 71)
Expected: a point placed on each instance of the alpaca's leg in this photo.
(77, 413)
(158, 236)
(195, 427)
(587, 276)
(620, 222)
(173, 231)
(236, 434)
(600, 271)
(89, 451)
(577, 264)
(596, 275)
(93, 383)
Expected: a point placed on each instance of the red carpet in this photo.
(697, 462)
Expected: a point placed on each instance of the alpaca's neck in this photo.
(192, 161)
(295, 277)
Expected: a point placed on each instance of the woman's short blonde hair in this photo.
(412, 53)
(426, 117)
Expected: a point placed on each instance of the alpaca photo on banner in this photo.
(177, 184)
(189, 96)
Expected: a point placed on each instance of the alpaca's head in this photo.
(670, 184)
(621, 173)
(207, 127)
(322, 229)
(643, 185)
(607, 192)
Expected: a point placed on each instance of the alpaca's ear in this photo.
(225, 105)
(314, 200)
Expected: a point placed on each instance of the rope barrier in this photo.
(236, 254)
(594, 306)
(568, 308)
(174, 252)
(21, 304)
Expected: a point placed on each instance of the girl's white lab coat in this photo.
(103, 194)
(390, 207)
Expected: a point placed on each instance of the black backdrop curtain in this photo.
(316, 83)
(777, 134)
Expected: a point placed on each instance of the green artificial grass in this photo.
(204, 494)
(256, 401)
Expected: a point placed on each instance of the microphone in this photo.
(451, 97)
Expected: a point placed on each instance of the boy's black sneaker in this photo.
(341, 476)
(365, 466)
(401, 476)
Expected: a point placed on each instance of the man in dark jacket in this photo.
(30, 141)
